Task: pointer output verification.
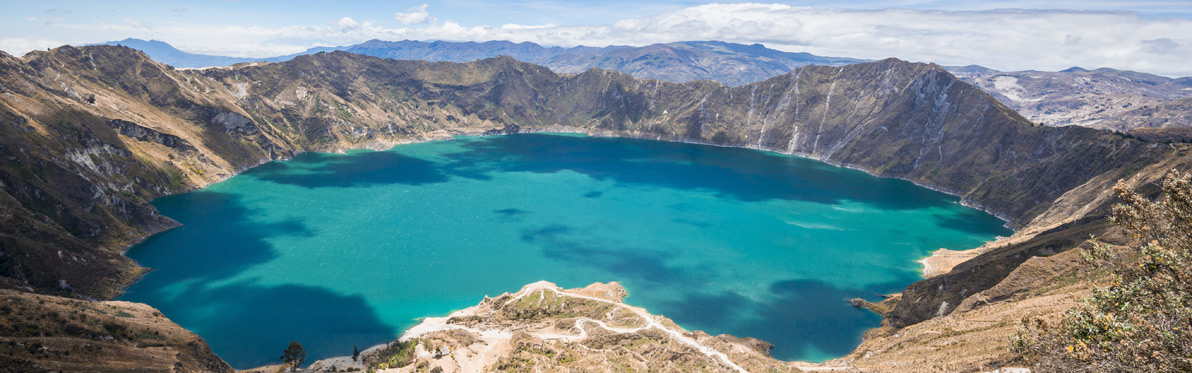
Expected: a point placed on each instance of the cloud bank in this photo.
(1001, 39)
(414, 16)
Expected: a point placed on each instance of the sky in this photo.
(1152, 36)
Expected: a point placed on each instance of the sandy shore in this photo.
(943, 260)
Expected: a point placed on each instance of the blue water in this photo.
(336, 250)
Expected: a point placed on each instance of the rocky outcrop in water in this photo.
(509, 129)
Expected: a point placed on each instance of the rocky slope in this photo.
(41, 333)
(1101, 98)
(89, 135)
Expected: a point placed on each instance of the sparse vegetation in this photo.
(294, 355)
(1143, 320)
(396, 354)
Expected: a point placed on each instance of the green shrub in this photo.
(396, 354)
(1143, 320)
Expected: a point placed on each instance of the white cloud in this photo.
(414, 16)
(514, 26)
(1003, 39)
(54, 14)
(347, 23)
(1000, 39)
(136, 23)
(20, 46)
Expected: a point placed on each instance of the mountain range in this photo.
(728, 63)
(1102, 98)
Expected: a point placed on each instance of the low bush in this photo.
(1142, 321)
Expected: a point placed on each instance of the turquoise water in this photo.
(336, 250)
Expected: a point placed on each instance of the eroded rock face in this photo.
(147, 134)
(233, 123)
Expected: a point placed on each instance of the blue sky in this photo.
(1151, 36)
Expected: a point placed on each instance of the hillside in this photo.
(92, 134)
(1101, 98)
(45, 333)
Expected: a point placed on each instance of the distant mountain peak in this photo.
(1075, 69)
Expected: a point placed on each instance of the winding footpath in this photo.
(435, 324)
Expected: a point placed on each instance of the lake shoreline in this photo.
(607, 134)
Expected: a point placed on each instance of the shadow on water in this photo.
(321, 170)
(510, 214)
(800, 317)
(248, 325)
(744, 174)
(972, 221)
(559, 242)
(796, 315)
(217, 241)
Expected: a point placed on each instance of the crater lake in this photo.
(337, 250)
